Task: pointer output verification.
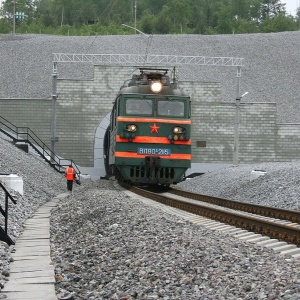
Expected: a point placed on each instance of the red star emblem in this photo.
(154, 128)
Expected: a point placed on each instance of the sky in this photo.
(291, 6)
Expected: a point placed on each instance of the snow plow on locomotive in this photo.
(148, 139)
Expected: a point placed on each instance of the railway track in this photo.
(280, 224)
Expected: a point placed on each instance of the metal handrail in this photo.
(4, 212)
(25, 134)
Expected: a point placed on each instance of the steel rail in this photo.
(272, 212)
(274, 230)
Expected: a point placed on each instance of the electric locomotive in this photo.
(148, 140)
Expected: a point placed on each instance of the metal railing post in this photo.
(6, 212)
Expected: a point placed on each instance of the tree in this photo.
(25, 6)
(240, 8)
(279, 23)
(271, 8)
(5, 26)
(163, 23)
(204, 15)
(225, 21)
(245, 26)
(147, 22)
(155, 6)
(297, 18)
(23, 10)
(87, 17)
(61, 10)
(180, 14)
(255, 11)
(43, 14)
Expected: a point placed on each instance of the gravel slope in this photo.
(270, 73)
(279, 187)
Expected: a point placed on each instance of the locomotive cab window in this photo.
(171, 108)
(138, 106)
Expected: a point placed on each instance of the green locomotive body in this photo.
(148, 139)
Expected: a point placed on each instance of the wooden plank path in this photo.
(32, 273)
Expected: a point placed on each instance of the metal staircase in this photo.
(25, 136)
(22, 136)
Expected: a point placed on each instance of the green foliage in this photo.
(279, 23)
(147, 22)
(5, 26)
(271, 8)
(99, 17)
(225, 20)
(163, 23)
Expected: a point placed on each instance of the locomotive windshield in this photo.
(170, 108)
(161, 107)
(139, 106)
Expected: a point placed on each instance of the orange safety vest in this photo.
(70, 174)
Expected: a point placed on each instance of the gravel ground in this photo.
(278, 187)
(270, 72)
(106, 245)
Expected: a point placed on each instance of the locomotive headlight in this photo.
(178, 130)
(131, 128)
(156, 86)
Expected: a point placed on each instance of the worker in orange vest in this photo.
(70, 176)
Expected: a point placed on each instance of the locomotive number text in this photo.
(154, 151)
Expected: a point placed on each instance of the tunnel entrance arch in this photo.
(98, 145)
